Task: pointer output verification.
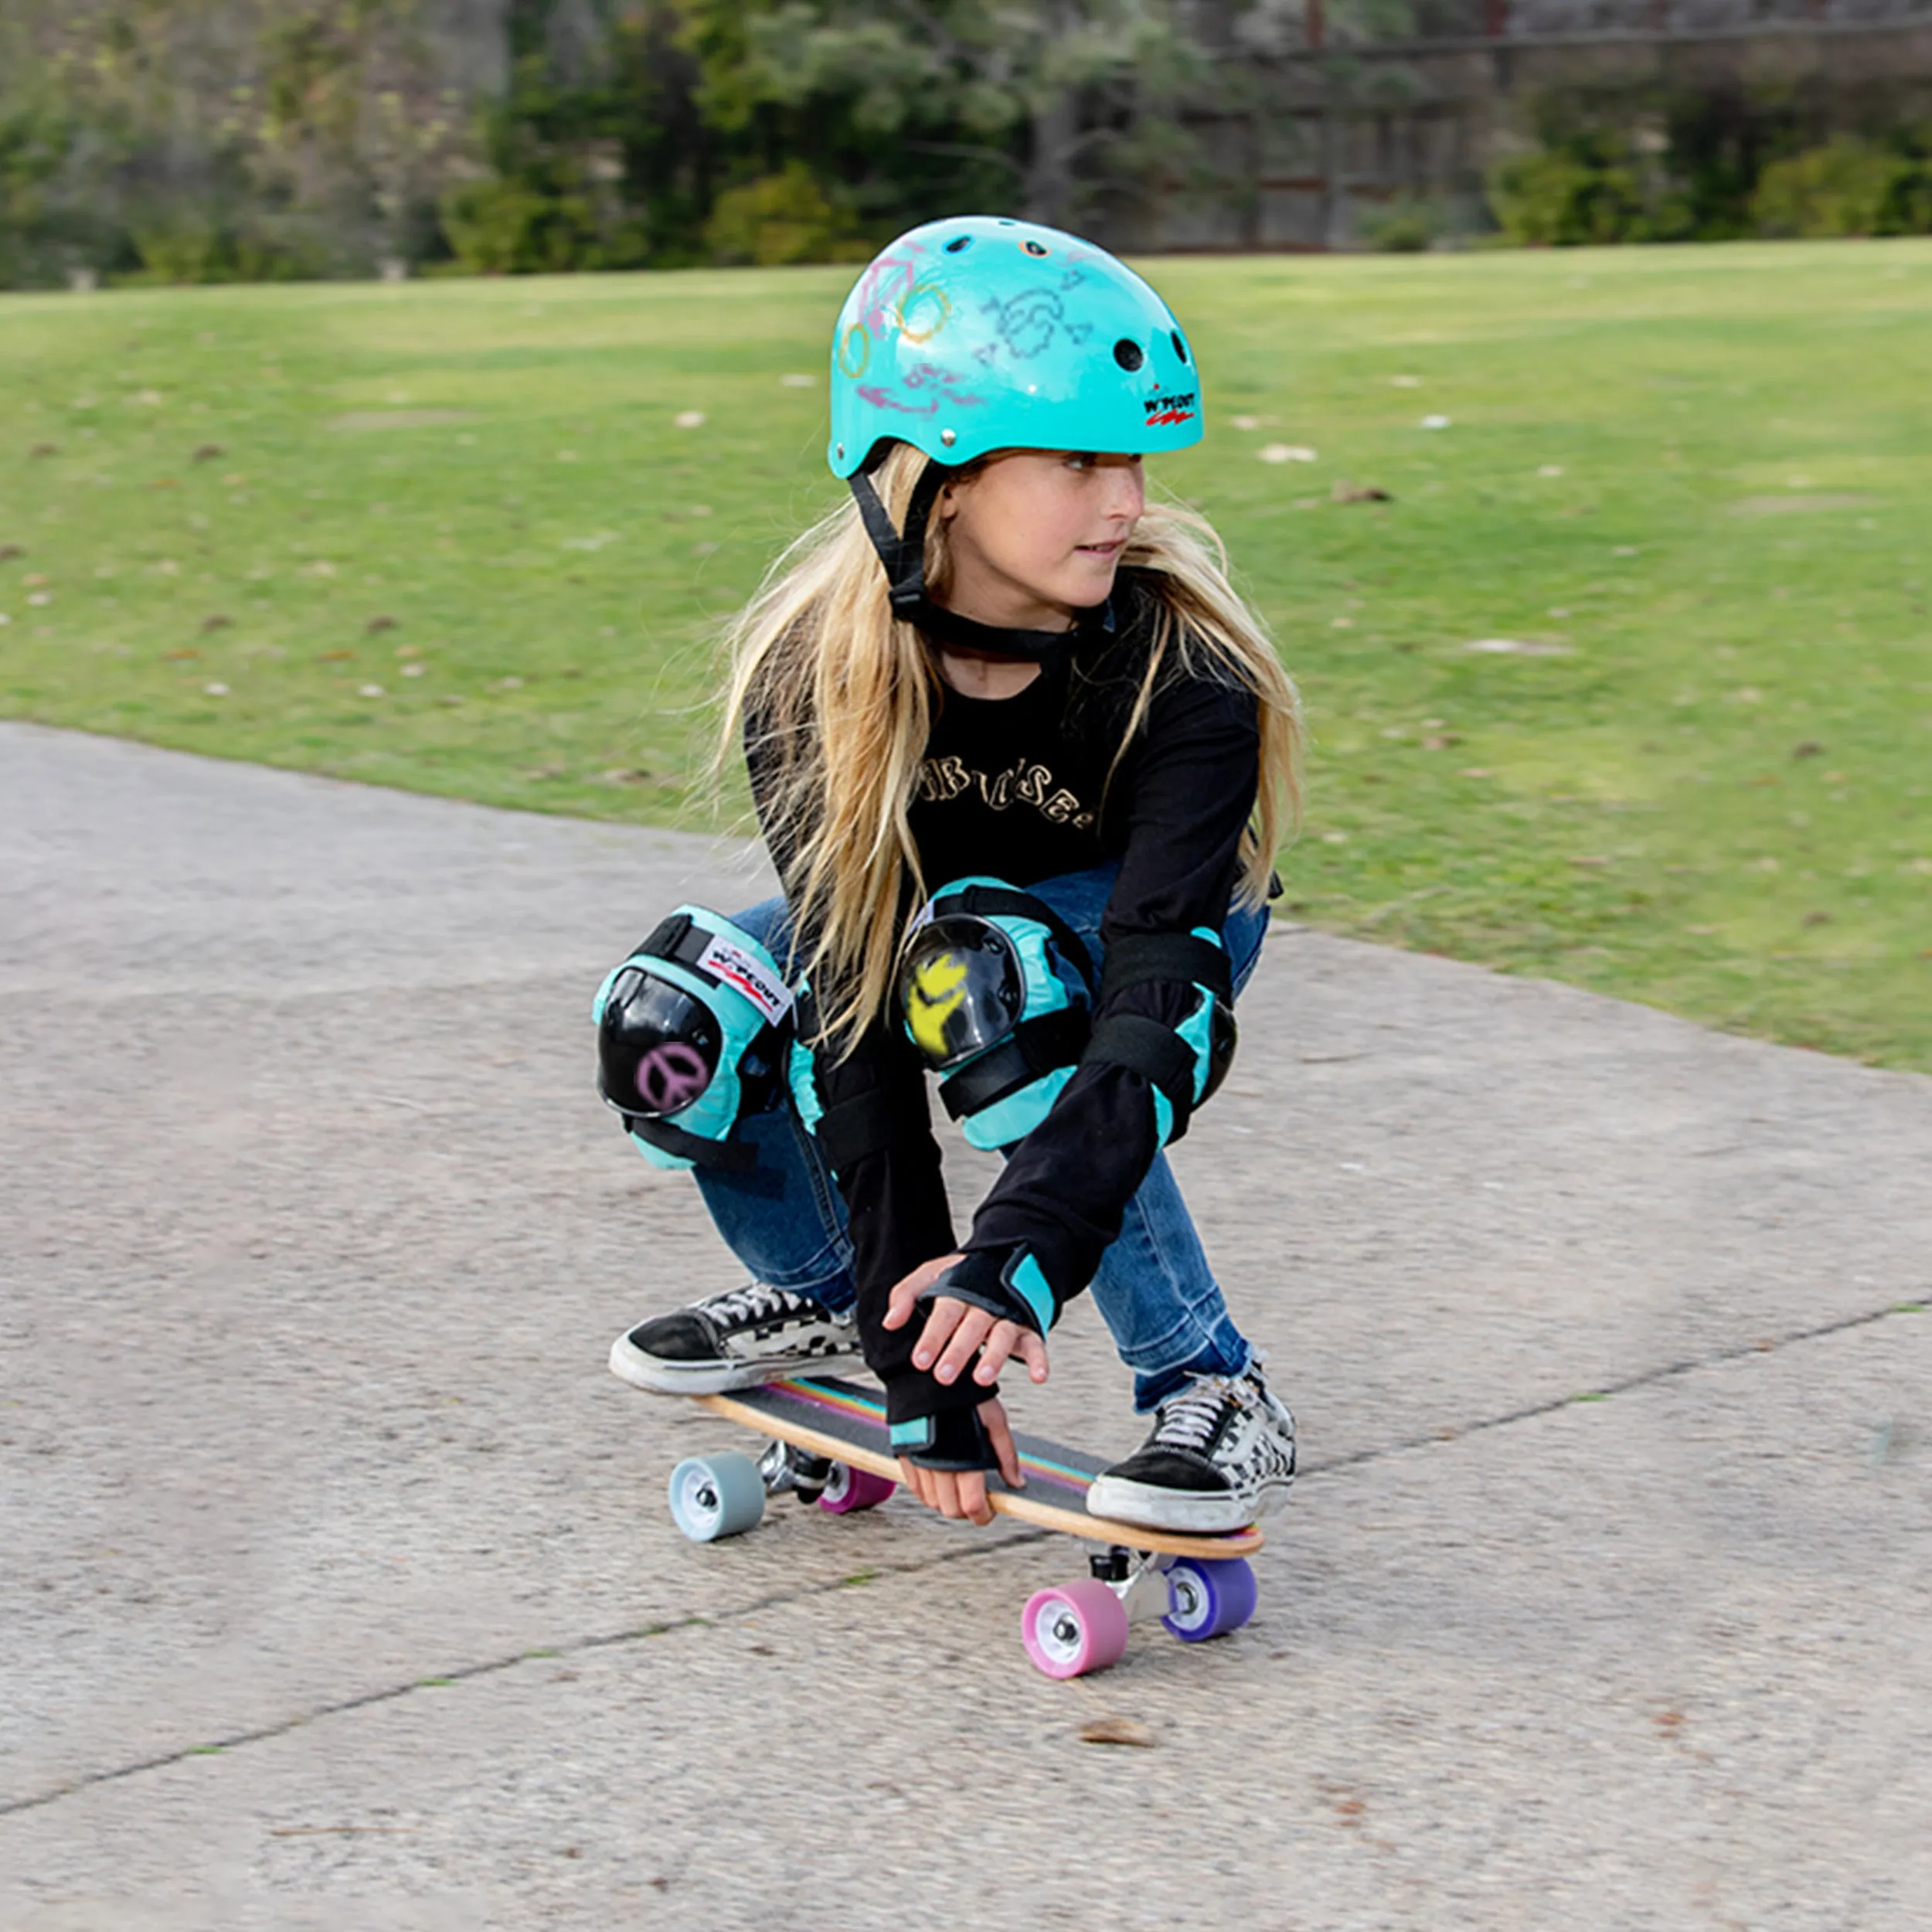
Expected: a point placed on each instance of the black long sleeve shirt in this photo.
(1024, 789)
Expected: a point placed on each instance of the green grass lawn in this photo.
(451, 537)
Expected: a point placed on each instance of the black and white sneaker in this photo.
(735, 1340)
(1222, 1452)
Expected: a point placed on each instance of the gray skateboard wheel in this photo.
(714, 1496)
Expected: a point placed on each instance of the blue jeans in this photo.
(785, 1220)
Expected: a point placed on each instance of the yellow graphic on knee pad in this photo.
(938, 992)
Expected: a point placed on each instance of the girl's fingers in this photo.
(959, 1495)
(963, 1496)
(975, 1325)
(971, 1496)
(999, 1345)
(907, 1290)
(1032, 1349)
(993, 1416)
(940, 1323)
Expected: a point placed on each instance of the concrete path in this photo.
(339, 1588)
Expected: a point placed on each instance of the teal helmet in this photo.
(981, 334)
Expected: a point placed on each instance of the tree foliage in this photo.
(1706, 167)
(1849, 187)
(209, 140)
(190, 141)
(195, 142)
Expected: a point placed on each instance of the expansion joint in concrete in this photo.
(775, 1599)
(1665, 1371)
(490, 1667)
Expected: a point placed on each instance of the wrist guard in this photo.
(1008, 1283)
(951, 1439)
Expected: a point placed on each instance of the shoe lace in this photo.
(753, 1302)
(1188, 1421)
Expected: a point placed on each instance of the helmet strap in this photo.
(903, 554)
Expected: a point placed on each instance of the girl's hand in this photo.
(961, 1493)
(956, 1330)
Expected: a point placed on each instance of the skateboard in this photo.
(828, 1446)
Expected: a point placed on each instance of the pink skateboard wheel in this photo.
(1073, 1629)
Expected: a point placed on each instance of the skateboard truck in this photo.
(783, 1468)
(1137, 1577)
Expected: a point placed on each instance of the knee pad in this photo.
(997, 994)
(692, 1033)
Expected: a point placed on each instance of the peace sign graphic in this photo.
(671, 1077)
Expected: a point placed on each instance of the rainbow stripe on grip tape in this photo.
(864, 1409)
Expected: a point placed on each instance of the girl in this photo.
(1021, 758)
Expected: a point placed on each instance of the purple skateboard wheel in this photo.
(848, 1489)
(1207, 1596)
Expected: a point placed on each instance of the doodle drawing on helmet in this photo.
(981, 334)
(1021, 758)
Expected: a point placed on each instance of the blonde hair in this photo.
(837, 696)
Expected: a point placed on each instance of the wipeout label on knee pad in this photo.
(732, 964)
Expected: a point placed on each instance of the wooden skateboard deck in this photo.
(826, 1417)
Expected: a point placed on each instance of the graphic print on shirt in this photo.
(942, 780)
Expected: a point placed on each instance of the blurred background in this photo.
(257, 140)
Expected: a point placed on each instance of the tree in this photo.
(1062, 110)
(240, 138)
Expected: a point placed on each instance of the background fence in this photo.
(207, 140)
(1336, 118)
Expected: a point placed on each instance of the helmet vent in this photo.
(959, 244)
(1180, 347)
(1034, 247)
(1128, 354)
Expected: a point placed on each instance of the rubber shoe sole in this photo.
(713, 1378)
(1192, 1512)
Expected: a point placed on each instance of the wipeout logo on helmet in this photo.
(1171, 409)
